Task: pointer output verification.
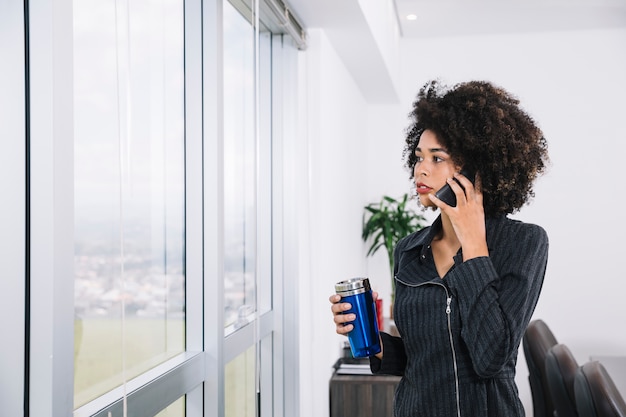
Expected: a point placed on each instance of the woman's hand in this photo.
(468, 217)
(342, 321)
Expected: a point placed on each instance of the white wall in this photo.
(335, 110)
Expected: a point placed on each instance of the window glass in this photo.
(239, 169)
(240, 388)
(129, 190)
(176, 409)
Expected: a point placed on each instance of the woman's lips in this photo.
(422, 189)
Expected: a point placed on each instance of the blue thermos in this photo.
(364, 338)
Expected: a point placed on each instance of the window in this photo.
(156, 247)
(240, 200)
(128, 191)
(248, 216)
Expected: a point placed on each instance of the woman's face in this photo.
(433, 167)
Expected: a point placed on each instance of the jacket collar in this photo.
(424, 238)
(492, 224)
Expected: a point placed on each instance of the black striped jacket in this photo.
(460, 335)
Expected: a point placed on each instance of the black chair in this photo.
(561, 368)
(537, 340)
(596, 394)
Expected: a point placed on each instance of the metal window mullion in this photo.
(213, 211)
(237, 342)
(51, 196)
(259, 207)
(193, 197)
(266, 221)
(294, 206)
(13, 210)
(193, 175)
(278, 212)
(152, 391)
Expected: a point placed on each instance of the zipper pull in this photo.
(448, 305)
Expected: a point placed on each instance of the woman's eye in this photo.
(418, 158)
(438, 159)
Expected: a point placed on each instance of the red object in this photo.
(379, 313)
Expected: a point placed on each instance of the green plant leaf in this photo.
(386, 222)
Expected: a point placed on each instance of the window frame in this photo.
(51, 318)
(199, 372)
(13, 211)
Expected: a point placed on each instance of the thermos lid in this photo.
(353, 284)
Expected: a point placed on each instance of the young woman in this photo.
(467, 285)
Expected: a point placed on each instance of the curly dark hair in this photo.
(483, 128)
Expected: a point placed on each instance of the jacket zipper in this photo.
(454, 363)
(456, 370)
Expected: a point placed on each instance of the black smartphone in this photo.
(446, 194)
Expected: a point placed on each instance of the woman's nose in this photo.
(420, 170)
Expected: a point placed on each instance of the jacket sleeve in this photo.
(497, 295)
(394, 357)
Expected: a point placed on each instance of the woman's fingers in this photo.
(341, 320)
(344, 329)
(335, 298)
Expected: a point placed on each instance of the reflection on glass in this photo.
(129, 190)
(239, 169)
(239, 384)
(176, 409)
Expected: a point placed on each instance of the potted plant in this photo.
(385, 223)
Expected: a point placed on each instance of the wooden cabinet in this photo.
(362, 395)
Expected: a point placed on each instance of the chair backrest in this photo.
(561, 367)
(596, 394)
(537, 340)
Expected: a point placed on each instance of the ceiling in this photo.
(471, 17)
(349, 30)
